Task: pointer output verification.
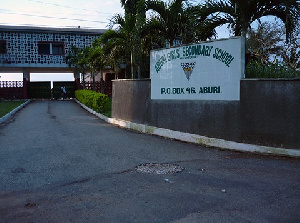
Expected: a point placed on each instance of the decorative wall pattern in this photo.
(22, 48)
(11, 84)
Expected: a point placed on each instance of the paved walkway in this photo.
(58, 163)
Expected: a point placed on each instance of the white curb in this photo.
(197, 139)
(7, 116)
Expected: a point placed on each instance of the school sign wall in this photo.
(204, 71)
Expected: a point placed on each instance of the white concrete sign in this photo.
(204, 71)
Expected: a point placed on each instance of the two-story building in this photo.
(40, 49)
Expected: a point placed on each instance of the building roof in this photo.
(35, 29)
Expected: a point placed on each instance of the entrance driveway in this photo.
(58, 163)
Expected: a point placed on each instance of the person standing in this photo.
(63, 92)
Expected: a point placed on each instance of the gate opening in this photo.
(48, 85)
(38, 85)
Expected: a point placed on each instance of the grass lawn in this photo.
(7, 106)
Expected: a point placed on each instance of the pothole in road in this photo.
(30, 205)
(159, 168)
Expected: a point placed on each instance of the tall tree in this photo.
(179, 19)
(291, 50)
(89, 59)
(96, 61)
(263, 42)
(168, 20)
(122, 38)
(198, 25)
(77, 59)
(267, 53)
(130, 6)
(241, 13)
(135, 12)
(113, 50)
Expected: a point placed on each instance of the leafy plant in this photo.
(256, 69)
(92, 99)
(239, 14)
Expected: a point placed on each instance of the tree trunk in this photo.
(139, 72)
(101, 82)
(83, 81)
(94, 84)
(132, 65)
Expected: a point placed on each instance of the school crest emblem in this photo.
(188, 69)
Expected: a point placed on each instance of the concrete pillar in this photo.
(77, 81)
(26, 80)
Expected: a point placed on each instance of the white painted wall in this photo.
(182, 73)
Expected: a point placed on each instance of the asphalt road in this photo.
(58, 163)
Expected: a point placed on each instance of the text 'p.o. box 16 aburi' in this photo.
(204, 71)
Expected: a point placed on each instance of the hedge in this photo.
(92, 99)
(256, 69)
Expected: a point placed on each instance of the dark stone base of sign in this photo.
(267, 113)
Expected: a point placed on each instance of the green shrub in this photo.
(255, 69)
(92, 99)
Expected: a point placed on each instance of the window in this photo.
(44, 48)
(51, 48)
(57, 48)
(2, 46)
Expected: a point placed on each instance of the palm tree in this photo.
(198, 25)
(77, 59)
(168, 22)
(130, 6)
(113, 50)
(241, 13)
(123, 38)
(86, 59)
(96, 62)
(288, 11)
(180, 19)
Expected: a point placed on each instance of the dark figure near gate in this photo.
(63, 92)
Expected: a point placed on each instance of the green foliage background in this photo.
(153, 24)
